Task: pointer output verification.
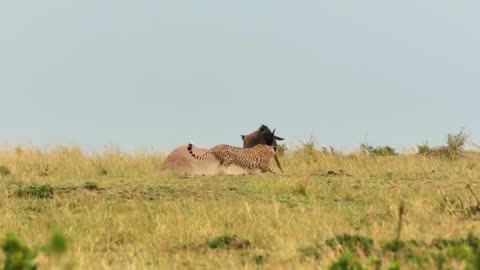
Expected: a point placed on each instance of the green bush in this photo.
(18, 256)
(471, 241)
(57, 244)
(378, 151)
(4, 171)
(228, 242)
(346, 262)
(40, 192)
(396, 254)
(457, 141)
(452, 150)
(101, 171)
(393, 245)
(351, 243)
(310, 252)
(91, 186)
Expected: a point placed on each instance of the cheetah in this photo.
(247, 158)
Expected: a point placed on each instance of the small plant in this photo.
(40, 192)
(4, 171)
(58, 244)
(46, 171)
(91, 186)
(308, 152)
(471, 241)
(333, 173)
(289, 202)
(310, 252)
(101, 171)
(228, 242)
(375, 262)
(459, 205)
(460, 253)
(439, 260)
(475, 209)
(351, 243)
(308, 147)
(394, 245)
(442, 243)
(18, 256)
(259, 259)
(453, 149)
(424, 149)
(346, 262)
(300, 189)
(401, 212)
(456, 142)
(378, 151)
(394, 266)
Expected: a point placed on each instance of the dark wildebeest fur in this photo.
(261, 136)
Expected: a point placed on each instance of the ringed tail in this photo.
(189, 148)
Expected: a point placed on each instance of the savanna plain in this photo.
(64, 209)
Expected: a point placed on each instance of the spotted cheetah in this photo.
(247, 158)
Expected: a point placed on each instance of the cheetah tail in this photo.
(189, 148)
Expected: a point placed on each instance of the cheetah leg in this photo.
(266, 168)
(227, 162)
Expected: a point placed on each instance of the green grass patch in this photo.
(39, 192)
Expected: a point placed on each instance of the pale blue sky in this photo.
(163, 73)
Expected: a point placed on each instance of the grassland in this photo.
(119, 211)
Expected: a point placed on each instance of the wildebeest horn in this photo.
(276, 137)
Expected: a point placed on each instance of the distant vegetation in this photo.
(452, 150)
(378, 151)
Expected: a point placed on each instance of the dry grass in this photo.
(120, 212)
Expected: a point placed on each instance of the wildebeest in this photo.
(180, 161)
(261, 136)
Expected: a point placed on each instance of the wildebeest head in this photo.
(261, 136)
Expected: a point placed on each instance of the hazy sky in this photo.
(162, 73)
